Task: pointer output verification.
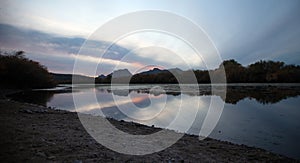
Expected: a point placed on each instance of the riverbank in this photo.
(36, 133)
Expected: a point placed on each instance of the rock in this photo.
(51, 157)
(21, 148)
(41, 154)
(94, 155)
(40, 111)
(77, 128)
(77, 161)
(26, 111)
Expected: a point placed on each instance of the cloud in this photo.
(156, 47)
(59, 53)
(26, 15)
(106, 62)
(160, 56)
(50, 49)
(246, 31)
(265, 35)
(277, 39)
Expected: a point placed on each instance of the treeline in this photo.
(69, 79)
(16, 71)
(259, 72)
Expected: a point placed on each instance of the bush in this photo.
(16, 71)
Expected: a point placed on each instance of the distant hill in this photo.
(101, 76)
(175, 70)
(153, 71)
(157, 71)
(121, 73)
(67, 78)
(258, 72)
(155, 75)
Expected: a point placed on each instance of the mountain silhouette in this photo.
(121, 73)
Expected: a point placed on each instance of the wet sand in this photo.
(35, 133)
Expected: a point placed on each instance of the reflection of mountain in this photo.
(121, 92)
(264, 94)
(112, 111)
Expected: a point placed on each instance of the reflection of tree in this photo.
(35, 97)
(262, 93)
(119, 92)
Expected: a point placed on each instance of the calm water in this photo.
(265, 116)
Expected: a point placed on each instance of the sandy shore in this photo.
(34, 133)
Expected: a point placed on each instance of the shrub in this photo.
(16, 71)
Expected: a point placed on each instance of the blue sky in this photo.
(52, 32)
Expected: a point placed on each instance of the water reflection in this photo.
(262, 93)
(36, 97)
(265, 116)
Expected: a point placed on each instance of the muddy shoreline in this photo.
(35, 133)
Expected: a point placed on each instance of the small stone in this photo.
(94, 155)
(41, 154)
(21, 148)
(26, 111)
(77, 161)
(51, 157)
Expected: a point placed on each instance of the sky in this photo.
(53, 32)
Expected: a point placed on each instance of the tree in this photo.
(16, 71)
(258, 72)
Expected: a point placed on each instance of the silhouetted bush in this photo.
(16, 71)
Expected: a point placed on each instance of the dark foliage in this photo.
(259, 72)
(70, 78)
(160, 78)
(16, 71)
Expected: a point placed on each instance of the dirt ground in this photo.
(31, 133)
